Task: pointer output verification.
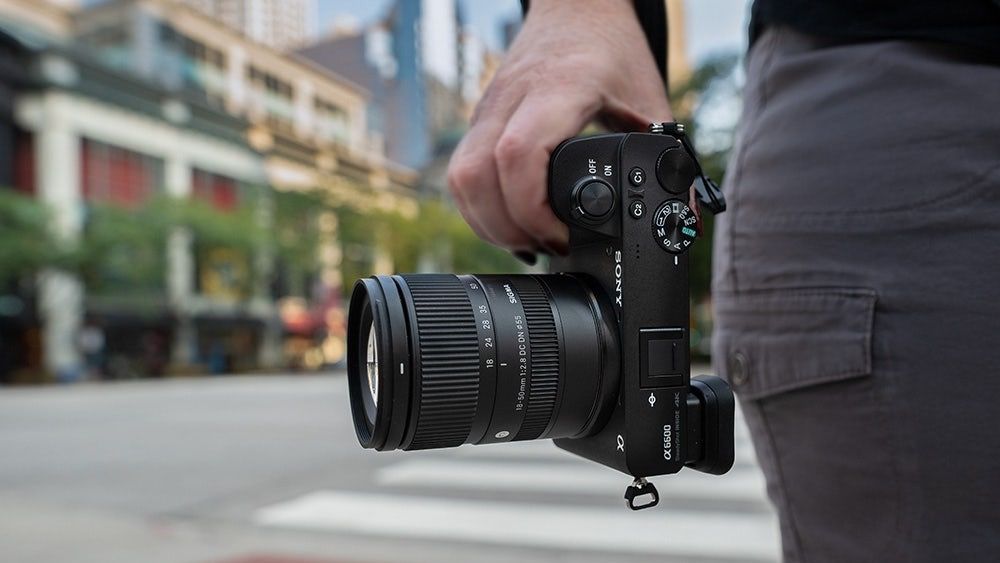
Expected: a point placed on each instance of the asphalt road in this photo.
(267, 470)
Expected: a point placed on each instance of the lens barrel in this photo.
(479, 359)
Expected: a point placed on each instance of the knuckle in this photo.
(511, 148)
(461, 176)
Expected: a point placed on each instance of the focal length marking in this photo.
(512, 357)
(487, 356)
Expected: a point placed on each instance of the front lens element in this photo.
(372, 364)
(372, 369)
(479, 359)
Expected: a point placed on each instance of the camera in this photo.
(594, 355)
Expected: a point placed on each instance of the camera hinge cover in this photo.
(640, 487)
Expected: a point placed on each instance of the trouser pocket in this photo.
(800, 360)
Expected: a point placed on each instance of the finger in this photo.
(475, 185)
(541, 122)
(652, 107)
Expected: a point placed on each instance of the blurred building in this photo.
(282, 24)
(678, 63)
(130, 100)
(424, 67)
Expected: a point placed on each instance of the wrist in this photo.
(606, 6)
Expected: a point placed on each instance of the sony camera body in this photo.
(594, 355)
(625, 200)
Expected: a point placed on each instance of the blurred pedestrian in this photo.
(857, 272)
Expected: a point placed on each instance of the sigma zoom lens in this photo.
(439, 360)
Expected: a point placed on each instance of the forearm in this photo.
(651, 14)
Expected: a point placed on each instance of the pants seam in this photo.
(796, 542)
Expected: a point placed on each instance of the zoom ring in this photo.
(449, 361)
(544, 383)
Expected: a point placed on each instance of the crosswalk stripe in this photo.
(666, 532)
(739, 485)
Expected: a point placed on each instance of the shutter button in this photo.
(739, 369)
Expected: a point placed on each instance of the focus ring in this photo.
(544, 383)
(448, 360)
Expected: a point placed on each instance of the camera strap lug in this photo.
(640, 487)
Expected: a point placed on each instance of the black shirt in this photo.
(970, 23)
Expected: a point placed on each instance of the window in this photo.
(272, 94)
(202, 66)
(117, 176)
(203, 54)
(221, 192)
(111, 43)
(331, 121)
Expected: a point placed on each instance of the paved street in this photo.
(267, 469)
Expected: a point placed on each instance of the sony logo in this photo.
(618, 278)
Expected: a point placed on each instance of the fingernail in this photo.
(528, 258)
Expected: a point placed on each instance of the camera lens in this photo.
(439, 360)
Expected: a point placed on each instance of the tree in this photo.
(437, 229)
(711, 86)
(27, 244)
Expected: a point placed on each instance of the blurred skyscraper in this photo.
(424, 69)
(282, 24)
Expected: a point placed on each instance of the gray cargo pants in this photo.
(857, 296)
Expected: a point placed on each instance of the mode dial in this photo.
(674, 226)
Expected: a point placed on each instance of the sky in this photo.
(713, 25)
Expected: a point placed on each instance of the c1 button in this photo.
(637, 176)
(637, 209)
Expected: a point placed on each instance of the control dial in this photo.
(674, 226)
(675, 170)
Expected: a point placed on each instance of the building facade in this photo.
(134, 100)
(420, 62)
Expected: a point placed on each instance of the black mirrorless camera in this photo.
(594, 355)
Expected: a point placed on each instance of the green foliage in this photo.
(685, 99)
(238, 229)
(437, 232)
(295, 236)
(26, 242)
(122, 250)
(470, 254)
(703, 78)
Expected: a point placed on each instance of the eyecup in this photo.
(718, 411)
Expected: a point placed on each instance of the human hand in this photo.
(572, 62)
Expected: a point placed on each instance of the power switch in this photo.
(663, 357)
